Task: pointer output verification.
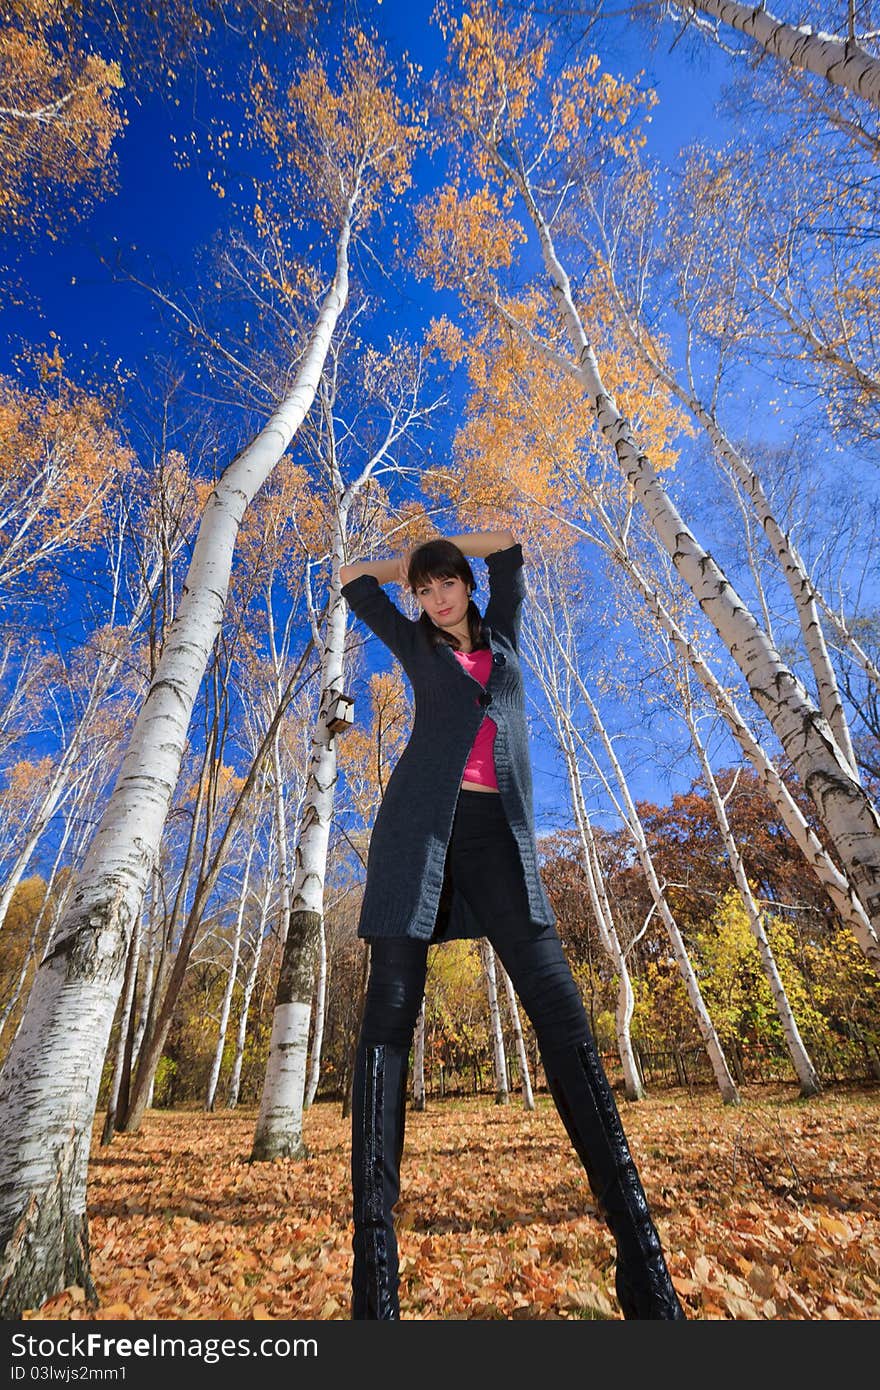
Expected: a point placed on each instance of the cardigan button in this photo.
(499, 659)
(484, 699)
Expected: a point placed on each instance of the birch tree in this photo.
(350, 147)
(500, 75)
(841, 59)
(693, 295)
(396, 383)
(496, 1032)
(63, 466)
(231, 978)
(254, 946)
(555, 678)
(553, 627)
(803, 1066)
(519, 1040)
(840, 891)
(59, 113)
(682, 700)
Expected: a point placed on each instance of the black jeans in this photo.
(485, 866)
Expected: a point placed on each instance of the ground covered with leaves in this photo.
(768, 1210)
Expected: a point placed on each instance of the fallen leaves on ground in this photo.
(767, 1211)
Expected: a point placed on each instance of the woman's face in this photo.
(444, 600)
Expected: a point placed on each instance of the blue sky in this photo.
(162, 216)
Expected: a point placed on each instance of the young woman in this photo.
(452, 854)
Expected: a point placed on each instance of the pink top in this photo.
(481, 762)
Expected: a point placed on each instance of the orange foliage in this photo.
(58, 114)
(511, 98)
(346, 141)
(522, 120)
(529, 445)
(767, 1212)
(60, 460)
(368, 752)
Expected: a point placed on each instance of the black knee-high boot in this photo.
(587, 1108)
(378, 1116)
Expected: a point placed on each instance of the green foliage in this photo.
(163, 1088)
(732, 979)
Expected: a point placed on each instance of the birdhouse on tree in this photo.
(341, 716)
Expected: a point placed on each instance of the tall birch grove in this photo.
(501, 77)
(682, 699)
(557, 632)
(348, 149)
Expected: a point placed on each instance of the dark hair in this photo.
(442, 559)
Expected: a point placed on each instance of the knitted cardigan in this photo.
(406, 892)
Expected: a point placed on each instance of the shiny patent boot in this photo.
(378, 1115)
(588, 1110)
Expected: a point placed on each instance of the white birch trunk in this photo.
(15, 993)
(836, 885)
(64, 776)
(279, 1123)
(625, 1005)
(281, 837)
(229, 990)
(840, 61)
(632, 821)
(850, 816)
(633, 1088)
(49, 1082)
(149, 966)
(496, 1032)
(558, 701)
(800, 1058)
(250, 981)
(124, 1023)
(519, 1040)
(419, 1059)
(801, 586)
(846, 638)
(320, 1014)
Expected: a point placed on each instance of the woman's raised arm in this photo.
(386, 571)
(477, 544)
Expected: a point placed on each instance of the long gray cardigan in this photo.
(405, 892)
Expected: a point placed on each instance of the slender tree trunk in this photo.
(839, 890)
(131, 969)
(320, 1013)
(279, 1123)
(359, 1012)
(229, 990)
(285, 894)
(800, 1058)
(803, 591)
(519, 1040)
(502, 1088)
(49, 1081)
(39, 920)
(247, 993)
(633, 1088)
(171, 972)
(419, 1059)
(632, 820)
